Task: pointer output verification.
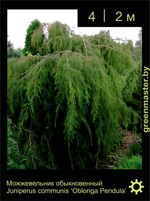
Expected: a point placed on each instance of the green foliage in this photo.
(132, 94)
(135, 162)
(135, 149)
(14, 158)
(18, 53)
(35, 28)
(11, 52)
(58, 38)
(68, 104)
(58, 30)
(10, 49)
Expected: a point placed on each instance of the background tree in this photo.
(18, 52)
(31, 48)
(10, 49)
(11, 52)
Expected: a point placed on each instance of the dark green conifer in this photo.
(30, 47)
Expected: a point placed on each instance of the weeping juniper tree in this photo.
(68, 104)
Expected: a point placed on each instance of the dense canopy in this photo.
(68, 102)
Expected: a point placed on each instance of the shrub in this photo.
(135, 162)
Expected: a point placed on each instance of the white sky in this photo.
(19, 20)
